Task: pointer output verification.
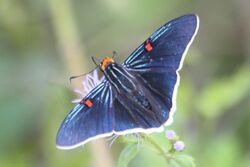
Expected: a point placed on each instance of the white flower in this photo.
(89, 83)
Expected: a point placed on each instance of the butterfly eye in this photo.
(148, 46)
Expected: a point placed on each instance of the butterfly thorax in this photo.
(120, 78)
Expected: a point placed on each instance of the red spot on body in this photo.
(148, 46)
(87, 102)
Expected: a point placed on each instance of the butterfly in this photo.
(138, 96)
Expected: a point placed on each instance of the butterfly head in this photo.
(106, 61)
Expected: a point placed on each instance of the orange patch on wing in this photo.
(148, 46)
(87, 103)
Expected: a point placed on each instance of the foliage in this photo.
(157, 144)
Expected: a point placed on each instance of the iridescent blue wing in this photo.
(169, 44)
(159, 59)
(85, 123)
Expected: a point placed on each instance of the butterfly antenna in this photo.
(77, 76)
(96, 60)
(114, 54)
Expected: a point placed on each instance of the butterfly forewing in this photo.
(85, 123)
(159, 66)
(169, 44)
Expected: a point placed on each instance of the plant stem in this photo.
(72, 52)
(158, 147)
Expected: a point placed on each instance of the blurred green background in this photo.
(43, 43)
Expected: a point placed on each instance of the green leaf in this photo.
(129, 139)
(224, 93)
(184, 160)
(173, 163)
(127, 154)
(157, 142)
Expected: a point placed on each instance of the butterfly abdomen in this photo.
(142, 101)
